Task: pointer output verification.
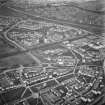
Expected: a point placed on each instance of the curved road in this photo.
(86, 27)
(19, 46)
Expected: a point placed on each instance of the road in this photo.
(23, 50)
(86, 27)
(34, 48)
(40, 46)
(19, 46)
(59, 79)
